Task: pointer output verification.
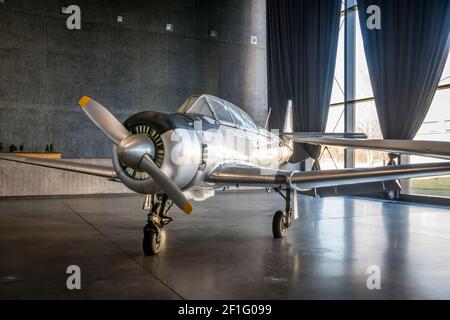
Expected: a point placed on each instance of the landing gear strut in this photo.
(282, 220)
(157, 218)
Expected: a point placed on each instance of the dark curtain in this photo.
(302, 38)
(406, 58)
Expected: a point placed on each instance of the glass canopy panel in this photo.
(237, 117)
(248, 121)
(220, 110)
(241, 118)
(201, 107)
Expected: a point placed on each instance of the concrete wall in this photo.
(130, 67)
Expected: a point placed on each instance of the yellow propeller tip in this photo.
(84, 101)
(187, 208)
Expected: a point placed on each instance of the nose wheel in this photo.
(157, 219)
(151, 243)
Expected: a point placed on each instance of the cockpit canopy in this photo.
(222, 111)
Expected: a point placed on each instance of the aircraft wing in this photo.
(303, 135)
(435, 149)
(91, 169)
(256, 176)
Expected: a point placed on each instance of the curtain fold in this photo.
(406, 58)
(302, 37)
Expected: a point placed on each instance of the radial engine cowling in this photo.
(172, 143)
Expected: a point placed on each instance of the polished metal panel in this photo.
(289, 118)
(234, 173)
(91, 169)
(289, 125)
(166, 184)
(247, 175)
(182, 157)
(266, 123)
(315, 179)
(133, 148)
(146, 186)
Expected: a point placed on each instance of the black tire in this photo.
(279, 229)
(151, 243)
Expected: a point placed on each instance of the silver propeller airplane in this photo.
(209, 144)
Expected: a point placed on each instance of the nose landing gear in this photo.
(157, 219)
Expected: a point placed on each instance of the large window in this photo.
(366, 117)
(436, 127)
(333, 158)
(361, 115)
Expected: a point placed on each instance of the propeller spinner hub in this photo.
(133, 148)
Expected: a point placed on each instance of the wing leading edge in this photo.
(91, 169)
(247, 175)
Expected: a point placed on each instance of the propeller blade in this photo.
(104, 120)
(167, 185)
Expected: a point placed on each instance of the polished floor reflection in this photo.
(224, 250)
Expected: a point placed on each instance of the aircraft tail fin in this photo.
(266, 124)
(288, 119)
(288, 124)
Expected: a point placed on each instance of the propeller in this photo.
(135, 150)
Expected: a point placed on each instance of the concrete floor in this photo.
(224, 250)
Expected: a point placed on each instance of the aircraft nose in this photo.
(133, 148)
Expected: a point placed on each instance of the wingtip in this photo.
(84, 101)
(187, 208)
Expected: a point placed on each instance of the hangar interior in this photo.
(133, 56)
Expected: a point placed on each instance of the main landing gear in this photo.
(282, 220)
(157, 218)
